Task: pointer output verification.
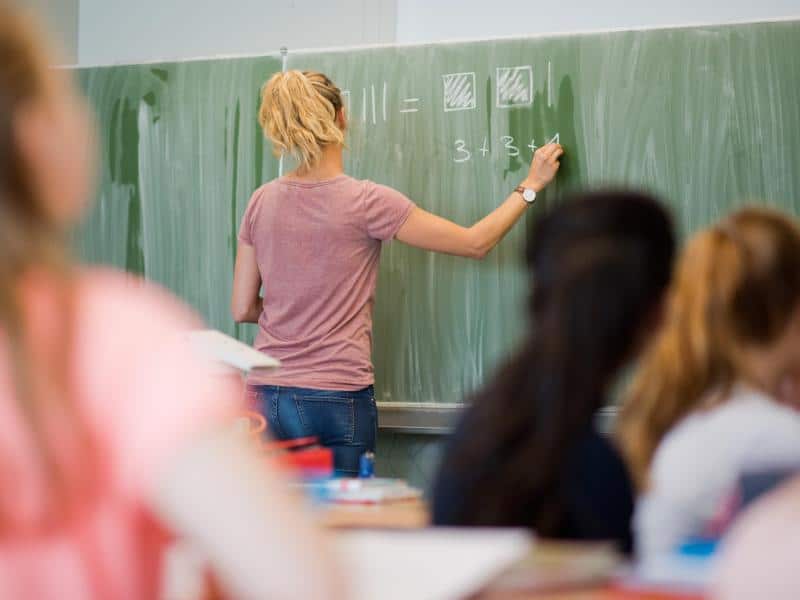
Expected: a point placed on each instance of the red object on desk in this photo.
(295, 444)
(302, 457)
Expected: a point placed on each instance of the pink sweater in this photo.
(141, 396)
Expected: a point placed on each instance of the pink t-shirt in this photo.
(318, 246)
(141, 396)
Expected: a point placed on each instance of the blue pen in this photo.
(366, 465)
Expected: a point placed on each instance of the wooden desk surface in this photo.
(598, 593)
(411, 514)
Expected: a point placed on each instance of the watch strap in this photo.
(521, 191)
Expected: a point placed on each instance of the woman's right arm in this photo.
(430, 232)
(246, 298)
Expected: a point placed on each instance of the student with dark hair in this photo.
(527, 452)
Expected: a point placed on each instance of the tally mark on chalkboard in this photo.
(346, 101)
(514, 86)
(410, 109)
(369, 103)
(363, 105)
(459, 91)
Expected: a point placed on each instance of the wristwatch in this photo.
(527, 194)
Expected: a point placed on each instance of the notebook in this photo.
(220, 348)
(427, 564)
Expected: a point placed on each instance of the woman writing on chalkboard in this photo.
(313, 239)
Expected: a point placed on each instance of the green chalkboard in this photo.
(181, 153)
(707, 117)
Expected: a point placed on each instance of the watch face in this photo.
(529, 195)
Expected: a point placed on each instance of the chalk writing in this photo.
(464, 154)
(514, 86)
(459, 91)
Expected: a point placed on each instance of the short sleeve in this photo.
(385, 211)
(246, 227)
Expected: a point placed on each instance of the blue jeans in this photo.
(346, 422)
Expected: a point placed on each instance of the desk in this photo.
(412, 514)
(599, 593)
(415, 515)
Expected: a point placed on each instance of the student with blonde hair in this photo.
(313, 239)
(113, 440)
(707, 404)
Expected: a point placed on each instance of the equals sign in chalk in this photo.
(410, 102)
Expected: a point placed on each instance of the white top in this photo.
(698, 464)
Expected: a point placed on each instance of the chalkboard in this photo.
(181, 153)
(707, 117)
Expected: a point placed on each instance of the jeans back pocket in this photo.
(329, 417)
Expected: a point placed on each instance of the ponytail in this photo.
(32, 245)
(298, 114)
(736, 285)
(600, 266)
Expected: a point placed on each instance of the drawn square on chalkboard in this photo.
(514, 86)
(459, 91)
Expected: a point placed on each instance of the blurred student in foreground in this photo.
(709, 402)
(112, 440)
(759, 556)
(527, 452)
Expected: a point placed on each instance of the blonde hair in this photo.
(298, 114)
(32, 242)
(737, 285)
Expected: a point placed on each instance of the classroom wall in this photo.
(425, 21)
(120, 31)
(124, 31)
(62, 18)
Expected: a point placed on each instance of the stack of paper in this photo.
(362, 491)
(427, 564)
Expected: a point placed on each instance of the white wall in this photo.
(435, 20)
(122, 31)
(61, 17)
(118, 31)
